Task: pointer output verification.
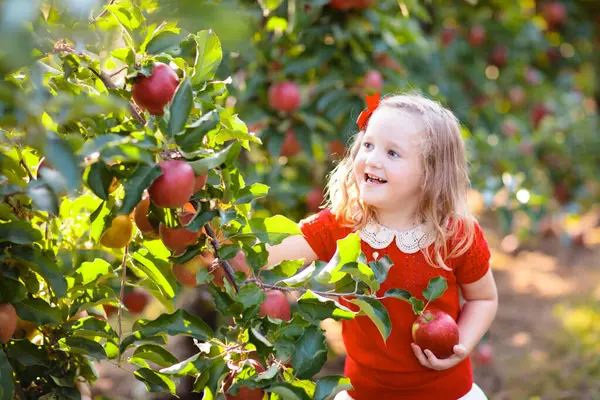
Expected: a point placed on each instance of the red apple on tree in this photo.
(290, 146)
(448, 36)
(186, 273)
(372, 81)
(136, 300)
(140, 216)
(8, 322)
(154, 92)
(314, 199)
(177, 239)
(175, 186)
(437, 331)
(484, 354)
(538, 112)
(555, 13)
(342, 4)
(499, 56)
(275, 306)
(238, 263)
(284, 96)
(477, 35)
(243, 392)
(517, 96)
(199, 182)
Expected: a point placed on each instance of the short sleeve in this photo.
(318, 232)
(474, 264)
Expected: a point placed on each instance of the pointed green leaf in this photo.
(42, 197)
(348, 250)
(377, 312)
(163, 42)
(90, 327)
(249, 193)
(37, 311)
(317, 308)
(210, 55)
(183, 368)
(136, 183)
(222, 157)
(329, 386)
(151, 267)
(192, 138)
(19, 232)
(274, 229)
(81, 345)
(99, 179)
(398, 294)
(287, 391)
(11, 290)
(6, 377)
(381, 268)
(154, 353)
(310, 354)
(178, 323)
(300, 278)
(435, 288)
(180, 108)
(90, 271)
(361, 273)
(28, 353)
(250, 295)
(155, 381)
(44, 266)
(263, 345)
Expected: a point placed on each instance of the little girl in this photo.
(403, 187)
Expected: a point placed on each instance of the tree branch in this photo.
(121, 295)
(215, 243)
(24, 164)
(93, 21)
(304, 290)
(105, 78)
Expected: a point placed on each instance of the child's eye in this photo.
(393, 154)
(367, 145)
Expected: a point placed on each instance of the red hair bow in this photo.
(372, 103)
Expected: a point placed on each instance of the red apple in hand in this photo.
(437, 331)
(275, 306)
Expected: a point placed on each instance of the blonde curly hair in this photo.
(443, 204)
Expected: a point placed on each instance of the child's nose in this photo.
(373, 160)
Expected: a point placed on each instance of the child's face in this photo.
(389, 150)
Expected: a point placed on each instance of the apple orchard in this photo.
(145, 154)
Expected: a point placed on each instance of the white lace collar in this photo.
(409, 241)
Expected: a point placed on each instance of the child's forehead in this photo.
(390, 121)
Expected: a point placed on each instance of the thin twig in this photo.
(215, 243)
(24, 164)
(93, 21)
(121, 295)
(304, 290)
(105, 78)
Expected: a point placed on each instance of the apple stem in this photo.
(121, 295)
(215, 243)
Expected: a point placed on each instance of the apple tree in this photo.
(121, 185)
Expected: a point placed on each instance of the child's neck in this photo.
(400, 220)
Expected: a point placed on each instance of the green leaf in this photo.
(90, 271)
(274, 229)
(61, 156)
(381, 268)
(249, 193)
(180, 107)
(154, 353)
(19, 232)
(185, 367)
(151, 266)
(348, 250)
(6, 377)
(37, 311)
(164, 42)
(136, 183)
(210, 55)
(287, 391)
(378, 314)
(44, 266)
(251, 295)
(90, 327)
(81, 345)
(263, 345)
(155, 381)
(191, 139)
(42, 197)
(178, 323)
(310, 354)
(27, 353)
(223, 157)
(401, 294)
(435, 288)
(317, 308)
(99, 179)
(300, 278)
(329, 386)
(11, 290)
(361, 273)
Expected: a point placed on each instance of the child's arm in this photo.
(476, 316)
(291, 248)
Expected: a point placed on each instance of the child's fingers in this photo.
(460, 350)
(419, 354)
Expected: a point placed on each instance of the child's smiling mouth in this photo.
(374, 179)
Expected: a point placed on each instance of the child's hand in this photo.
(429, 360)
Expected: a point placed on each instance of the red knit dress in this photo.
(389, 370)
